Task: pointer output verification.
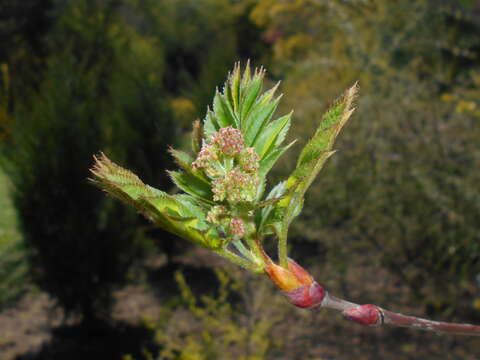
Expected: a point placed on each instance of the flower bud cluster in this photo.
(231, 166)
(235, 186)
(237, 227)
(217, 214)
(233, 171)
(234, 227)
(228, 140)
(249, 160)
(206, 155)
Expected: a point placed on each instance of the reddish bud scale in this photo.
(306, 296)
(296, 284)
(365, 314)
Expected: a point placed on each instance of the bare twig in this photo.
(303, 291)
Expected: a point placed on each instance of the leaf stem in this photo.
(373, 315)
(282, 249)
(239, 261)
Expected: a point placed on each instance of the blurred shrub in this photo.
(125, 77)
(401, 191)
(81, 244)
(14, 270)
(238, 322)
(14, 266)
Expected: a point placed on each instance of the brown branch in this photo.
(303, 291)
(372, 315)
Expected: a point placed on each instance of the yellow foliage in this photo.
(476, 303)
(294, 46)
(183, 109)
(222, 327)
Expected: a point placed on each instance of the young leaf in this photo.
(197, 136)
(119, 182)
(235, 88)
(272, 136)
(258, 119)
(210, 124)
(223, 111)
(271, 158)
(192, 185)
(314, 156)
(251, 90)
(182, 159)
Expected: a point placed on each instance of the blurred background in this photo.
(393, 218)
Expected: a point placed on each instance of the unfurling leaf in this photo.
(314, 155)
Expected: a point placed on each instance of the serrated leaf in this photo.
(314, 155)
(198, 208)
(235, 88)
(170, 214)
(267, 96)
(223, 111)
(251, 94)
(192, 185)
(210, 124)
(258, 119)
(271, 158)
(246, 78)
(265, 215)
(182, 159)
(272, 136)
(331, 124)
(119, 182)
(197, 132)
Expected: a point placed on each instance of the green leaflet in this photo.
(270, 160)
(119, 182)
(331, 124)
(314, 155)
(182, 159)
(265, 215)
(179, 217)
(197, 131)
(235, 89)
(258, 118)
(272, 136)
(210, 124)
(179, 214)
(252, 88)
(223, 111)
(192, 185)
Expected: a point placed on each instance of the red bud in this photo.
(306, 296)
(364, 314)
(302, 275)
(296, 284)
(283, 278)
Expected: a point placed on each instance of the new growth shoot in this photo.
(224, 205)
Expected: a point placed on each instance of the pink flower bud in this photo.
(229, 140)
(205, 157)
(235, 186)
(249, 160)
(216, 213)
(365, 314)
(237, 228)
